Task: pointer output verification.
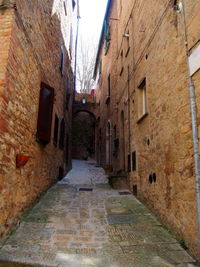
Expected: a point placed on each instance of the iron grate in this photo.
(85, 189)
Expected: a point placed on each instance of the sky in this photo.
(92, 14)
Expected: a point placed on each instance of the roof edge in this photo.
(101, 38)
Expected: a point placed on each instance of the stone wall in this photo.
(148, 42)
(31, 54)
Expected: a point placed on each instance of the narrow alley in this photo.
(82, 222)
(99, 133)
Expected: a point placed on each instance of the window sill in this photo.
(142, 117)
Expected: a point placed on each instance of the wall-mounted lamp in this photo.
(178, 6)
(84, 100)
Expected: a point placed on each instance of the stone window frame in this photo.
(142, 100)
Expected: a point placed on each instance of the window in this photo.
(129, 163)
(127, 45)
(175, 5)
(45, 114)
(56, 126)
(116, 142)
(62, 134)
(62, 60)
(65, 6)
(121, 59)
(100, 66)
(106, 36)
(134, 161)
(73, 4)
(142, 100)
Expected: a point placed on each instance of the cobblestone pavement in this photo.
(99, 228)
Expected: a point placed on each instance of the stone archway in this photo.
(83, 135)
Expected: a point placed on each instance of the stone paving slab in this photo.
(69, 228)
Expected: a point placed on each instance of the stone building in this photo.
(149, 52)
(37, 51)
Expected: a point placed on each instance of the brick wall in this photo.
(32, 38)
(162, 139)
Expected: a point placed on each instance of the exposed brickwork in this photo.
(90, 105)
(162, 139)
(30, 53)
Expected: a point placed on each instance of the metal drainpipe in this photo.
(194, 124)
(129, 114)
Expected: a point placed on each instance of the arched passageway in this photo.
(83, 135)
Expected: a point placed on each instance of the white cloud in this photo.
(92, 14)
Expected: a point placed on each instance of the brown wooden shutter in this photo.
(62, 134)
(45, 114)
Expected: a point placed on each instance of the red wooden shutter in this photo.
(45, 114)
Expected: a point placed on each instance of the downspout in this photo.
(129, 115)
(194, 123)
